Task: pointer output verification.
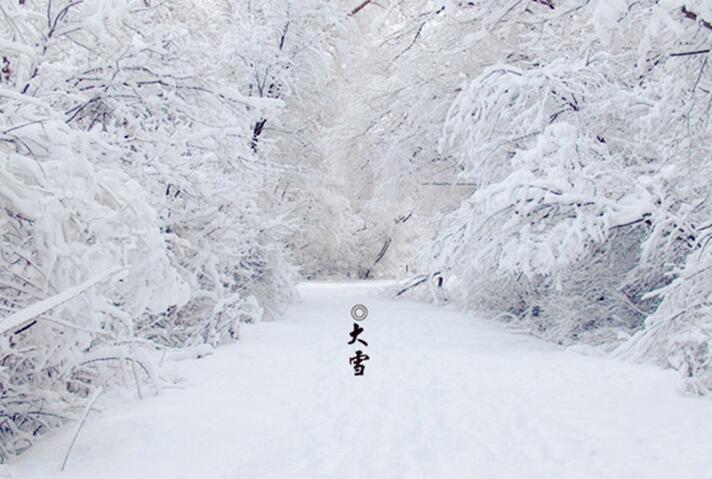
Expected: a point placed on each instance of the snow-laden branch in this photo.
(19, 319)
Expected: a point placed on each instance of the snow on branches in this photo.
(579, 135)
(128, 146)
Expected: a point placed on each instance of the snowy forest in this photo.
(170, 171)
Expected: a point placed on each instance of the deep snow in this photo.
(444, 396)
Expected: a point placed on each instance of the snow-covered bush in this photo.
(588, 158)
(137, 185)
(571, 145)
(65, 221)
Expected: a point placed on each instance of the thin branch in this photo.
(693, 16)
(360, 7)
(696, 52)
(93, 399)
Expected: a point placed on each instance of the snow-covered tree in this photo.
(573, 149)
(138, 181)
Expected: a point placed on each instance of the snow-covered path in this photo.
(444, 396)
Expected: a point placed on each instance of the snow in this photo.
(102, 13)
(14, 47)
(605, 17)
(12, 95)
(259, 103)
(14, 321)
(445, 395)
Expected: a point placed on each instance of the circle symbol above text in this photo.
(359, 312)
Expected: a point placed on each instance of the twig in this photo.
(383, 251)
(93, 399)
(693, 16)
(360, 7)
(417, 281)
(696, 52)
(137, 379)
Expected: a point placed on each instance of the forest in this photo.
(170, 171)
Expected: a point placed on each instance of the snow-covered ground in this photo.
(443, 396)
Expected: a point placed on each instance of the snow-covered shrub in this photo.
(570, 144)
(679, 332)
(590, 164)
(137, 189)
(65, 221)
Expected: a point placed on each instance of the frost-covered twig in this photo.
(82, 420)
